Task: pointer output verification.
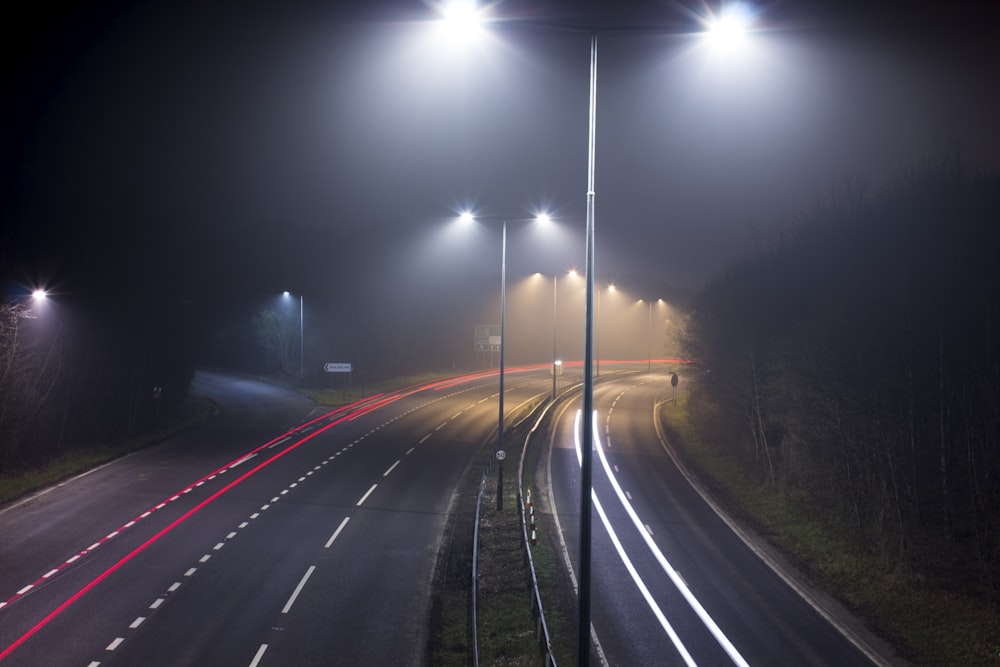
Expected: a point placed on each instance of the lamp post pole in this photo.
(302, 340)
(586, 474)
(649, 364)
(555, 318)
(503, 341)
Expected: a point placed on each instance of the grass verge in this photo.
(74, 462)
(928, 621)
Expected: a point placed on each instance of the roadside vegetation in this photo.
(845, 401)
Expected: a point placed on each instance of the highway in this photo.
(275, 535)
(672, 583)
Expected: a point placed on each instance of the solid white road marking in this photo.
(298, 589)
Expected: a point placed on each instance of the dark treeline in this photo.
(856, 364)
(84, 371)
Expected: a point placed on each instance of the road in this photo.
(672, 583)
(275, 535)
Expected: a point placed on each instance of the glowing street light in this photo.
(467, 217)
(39, 294)
(724, 30)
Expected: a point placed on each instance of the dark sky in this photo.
(223, 152)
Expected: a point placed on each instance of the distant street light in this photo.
(468, 217)
(39, 294)
(302, 335)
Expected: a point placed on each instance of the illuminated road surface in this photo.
(672, 583)
(261, 539)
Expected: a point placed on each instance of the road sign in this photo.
(338, 367)
(486, 337)
(501, 455)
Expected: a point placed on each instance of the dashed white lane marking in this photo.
(258, 655)
(365, 497)
(204, 559)
(94, 664)
(386, 473)
(115, 644)
(25, 589)
(156, 603)
(190, 572)
(137, 622)
(441, 426)
(174, 586)
(298, 589)
(424, 438)
(409, 451)
(49, 574)
(336, 533)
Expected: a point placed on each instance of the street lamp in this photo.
(468, 217)
(302, 335)
(649, 363)
(726, 28)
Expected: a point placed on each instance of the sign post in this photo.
(339, 367)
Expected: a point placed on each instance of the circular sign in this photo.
(501, 455)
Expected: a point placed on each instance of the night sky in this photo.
(219, 153)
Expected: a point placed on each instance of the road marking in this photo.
(441, 426)
(243, 460)
(365, 497)
(219, 546)
(628, 495)
(298, 589)
(115, 644)
(337, 532)
(94, 664)
(386, 473)
(409, 451)
(424, 438)
(137, 622)
(174, 586)
(129, 524)
(242, 526)
(73, 559)
(49, 574)
(254, 515)
(649, 530)
(156, 603)
(191, 571)
(258, 655)
(204, 559)
(25, 589)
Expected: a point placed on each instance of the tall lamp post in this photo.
(302, 335)
(730, 25)
(467, 217)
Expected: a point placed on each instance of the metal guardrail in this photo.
(541, 627)
(475, 572)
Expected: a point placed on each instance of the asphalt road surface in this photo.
(274, 535)
(672, 583)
